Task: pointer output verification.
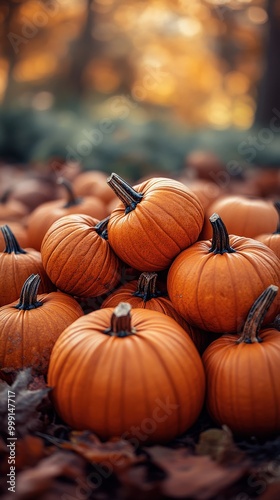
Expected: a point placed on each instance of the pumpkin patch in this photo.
(140, 327)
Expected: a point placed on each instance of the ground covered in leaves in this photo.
(52, 461)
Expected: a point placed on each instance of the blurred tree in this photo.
(269, 94)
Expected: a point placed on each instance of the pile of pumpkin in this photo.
(196, 322)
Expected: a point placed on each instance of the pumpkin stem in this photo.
(256, 315)
(220, 239)
(102, 228)
(146, 287)
(121, 321)
(5, 196)
(72, 200)
(28, 295)
(277, 206)
(12, 245)
(125, 192)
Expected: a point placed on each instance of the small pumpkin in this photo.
(154, 221)
(94, 183)
(31, 325)
(127, 372)
(242, 373)
(213, 283)
(11, 210)
(272, 240)
(143, 293)
(242, 215)
(77, 257)
(45, 214)
(16, 264)
(19, 231)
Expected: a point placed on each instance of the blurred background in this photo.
(137, 86)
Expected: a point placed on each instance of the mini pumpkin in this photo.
(45, 214)
(154, 221)
(16, 264)
(127, 372)
(242, 215)
(242, 373)
(272, 240)
(78, 258)
(31, 325)
(213, 283)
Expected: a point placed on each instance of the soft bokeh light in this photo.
(201, 59)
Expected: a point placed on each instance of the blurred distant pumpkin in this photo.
(43, 216)
(243, 216)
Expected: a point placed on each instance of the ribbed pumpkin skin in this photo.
(77, 259)
(125, 293)
(27, 336)
(215, 292)
(168, 219)
(242, 216)
(15, 269)
(40, 220)
(272, 241)
(242, 384)
(110, 384)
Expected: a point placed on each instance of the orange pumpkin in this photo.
(16, 264)
(154, 221)
(94, 183)
(272, 240)
(127, 372)
(78, 258)
(31, 325)
(213, 283)
(242, 216)
(242, 374)
(43, 216)
(19, 232)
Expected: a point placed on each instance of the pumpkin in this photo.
(272, 240)
(243, 216)
(154, 221)
(43, 216)
(11, 210)
(94, 183)
(31, 325)
(19, 232)
(16, 264)
(77, 257)
(242, 373)
(127, 372)
(213, 283)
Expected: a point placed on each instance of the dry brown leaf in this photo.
(117, 454)
(191, 476)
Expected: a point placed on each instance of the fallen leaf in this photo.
(115, 454)
(192, 476)
(17, 399)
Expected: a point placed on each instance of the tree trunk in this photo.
(269, 94)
